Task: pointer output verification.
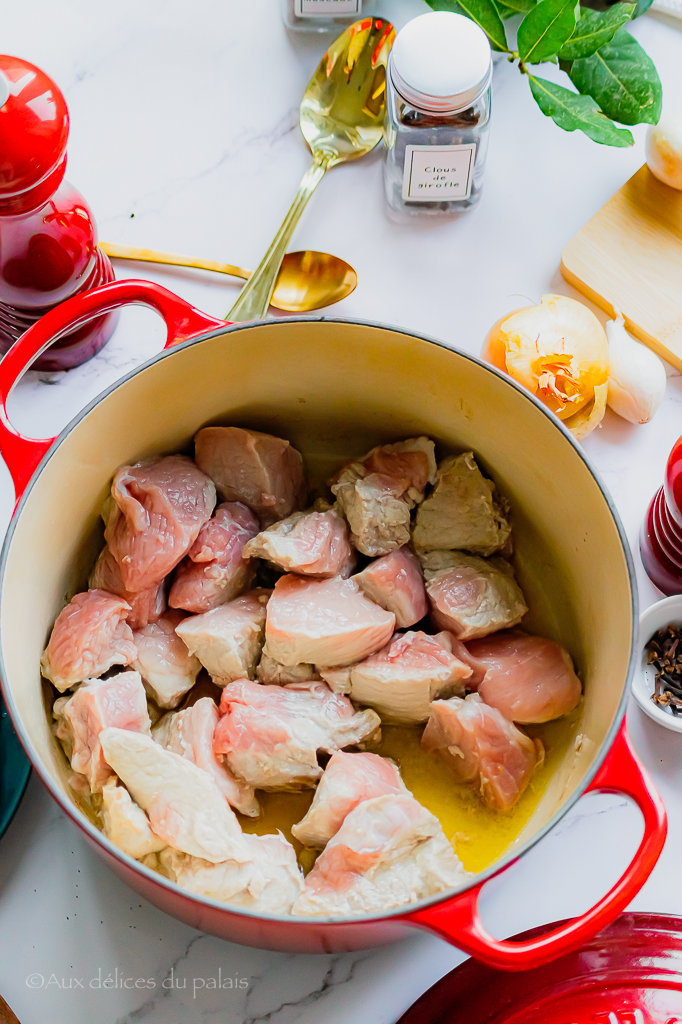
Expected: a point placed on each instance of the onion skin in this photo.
(584, 422)
(558, 351)
(494, 348)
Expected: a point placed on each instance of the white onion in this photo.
(664, 149)
(637, 378)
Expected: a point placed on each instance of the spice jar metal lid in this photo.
(441, 61)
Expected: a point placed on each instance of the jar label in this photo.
(326, 8)
(435, 173)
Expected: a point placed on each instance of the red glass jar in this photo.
(661, 537)
(48, 236)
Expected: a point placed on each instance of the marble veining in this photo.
(184, 137)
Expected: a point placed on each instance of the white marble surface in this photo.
(184, 138)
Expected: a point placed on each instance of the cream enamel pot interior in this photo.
(335, 388)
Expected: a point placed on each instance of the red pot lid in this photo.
(631, 973)
(34, 126)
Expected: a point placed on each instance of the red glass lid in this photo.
(631, 973)
(34, 126)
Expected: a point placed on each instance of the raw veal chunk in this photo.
(472, 596)
(270, 735)
(389, 851)
(88, 638)
(273, 674)
(527, 678)
(184, 805)
(216, 570)
(227, 641)
(484, 748)
(461, 652)
(377, 492)
(323, 622)
(337, 679)
(396, 583)
(98, 704)
(190, 734)
(125, 823)
(465, 511)
(153, 516)
(308, 543)
(163, 661)
(348, 780)
(262, 471)
(145, 606)
(269, 882)
(402, 679)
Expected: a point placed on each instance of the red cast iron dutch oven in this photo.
(334, 388)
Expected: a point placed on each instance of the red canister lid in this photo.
(34, 127)
(631, 973)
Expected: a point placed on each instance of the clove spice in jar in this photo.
(664, 652)
(437, 115)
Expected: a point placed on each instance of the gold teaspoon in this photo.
(306, 280)
(341, 118)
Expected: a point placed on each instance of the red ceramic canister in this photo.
(48, 236)
(661, 538)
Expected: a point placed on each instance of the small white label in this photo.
(436, 173)
(327, 8)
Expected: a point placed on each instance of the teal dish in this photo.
(14, 770)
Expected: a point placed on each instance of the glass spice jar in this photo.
(324, 15)
(437, 115)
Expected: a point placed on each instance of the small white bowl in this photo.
(662, 613)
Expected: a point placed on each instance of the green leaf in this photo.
(594, 29)
(518, 6)
(545, 29)
(622, 79)
(571, 111)
(483, 12)
(505, 12)
(641, 6)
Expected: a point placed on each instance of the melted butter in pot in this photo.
(479, 836)
(279, 812)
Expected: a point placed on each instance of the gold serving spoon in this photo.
(341, 118)
(306, 280)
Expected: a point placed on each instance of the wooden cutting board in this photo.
(629, 258)
(6, 1014)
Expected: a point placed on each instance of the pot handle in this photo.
(22, 454)
(458, 921)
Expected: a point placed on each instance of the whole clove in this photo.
(664, 652)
